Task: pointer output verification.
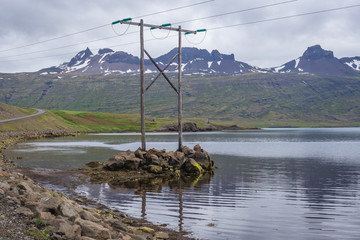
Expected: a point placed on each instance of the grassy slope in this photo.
(8, 111)
(85, 121)
(248, 100)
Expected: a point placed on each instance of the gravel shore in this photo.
(31, 211)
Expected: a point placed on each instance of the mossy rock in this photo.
(155, 169)
(190, 166)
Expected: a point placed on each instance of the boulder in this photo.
(190, 166)
(68, 210)
(93, 230)
(139, 153)
(114, 164)
(187, 151)
(71, 231)
(152, 159)
(132, 163)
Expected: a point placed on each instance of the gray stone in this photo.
(71, 231)
(93, 230)
(24, 211)
(69, 210)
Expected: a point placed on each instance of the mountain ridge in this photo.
(314, 60)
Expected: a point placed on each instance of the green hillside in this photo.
(247, 100)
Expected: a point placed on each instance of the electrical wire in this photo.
(196, 43)
(101, 26)
(173, 9)
(209, 29)
(238, 11)
(73, 53)
(285, 17)
(125, 33)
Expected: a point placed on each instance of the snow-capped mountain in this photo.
(193, 61)
(316, 60)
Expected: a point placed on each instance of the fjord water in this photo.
(270, 184)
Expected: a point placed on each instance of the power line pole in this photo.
(180, 127)
(178, 90)
(142, 91)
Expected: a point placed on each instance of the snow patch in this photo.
(219, 62)
(277, 69)
(209, 64)
(300, 69)
(355, 64)
(297, 62)
(101, 59)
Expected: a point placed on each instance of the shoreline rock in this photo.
(47, 214)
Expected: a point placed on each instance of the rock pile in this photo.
(57, 217)
(187, 161)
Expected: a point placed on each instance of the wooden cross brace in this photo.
(161, 72)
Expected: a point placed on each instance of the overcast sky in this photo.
(266, 44)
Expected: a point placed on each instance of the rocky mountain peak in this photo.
(80, 57)
(105, 50)
(316, 52)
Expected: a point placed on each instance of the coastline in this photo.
(40, 213)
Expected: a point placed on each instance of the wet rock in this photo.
(147, 230)
(152, 159)
(161, 236)
(132, 164)
(187, 151)
(155, 169)
(94, 164)
(192, 167)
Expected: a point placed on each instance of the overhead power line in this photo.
(126, 33)
(285, 17)
(101, 26)
(238, 11)
(209, 29)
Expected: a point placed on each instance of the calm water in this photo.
(270, 184)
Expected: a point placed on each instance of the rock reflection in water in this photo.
(177, 186)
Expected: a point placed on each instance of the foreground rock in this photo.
(40, 213)
(187, 161)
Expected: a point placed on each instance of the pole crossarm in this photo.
(162, 72)
(164, 26)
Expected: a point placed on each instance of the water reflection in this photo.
(278, 184)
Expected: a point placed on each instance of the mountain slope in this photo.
(316, 60)
(193, 61)
(254, 98)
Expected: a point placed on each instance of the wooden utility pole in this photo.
(180, 94)
(142, 91)
(178, 90)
